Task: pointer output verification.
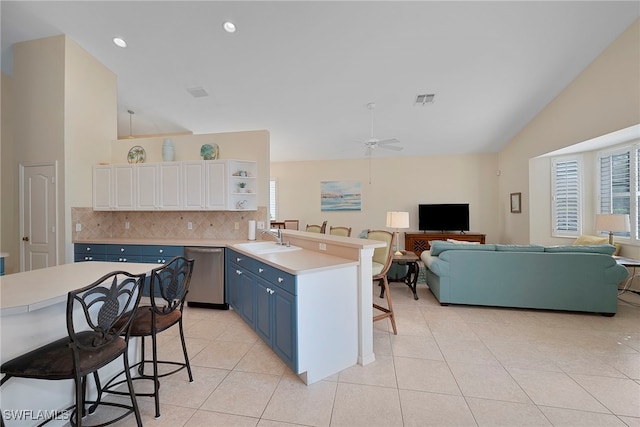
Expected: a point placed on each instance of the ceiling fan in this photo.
(374, 143)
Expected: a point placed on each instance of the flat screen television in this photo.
(444, 217)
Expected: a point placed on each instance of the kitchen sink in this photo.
(266, 247)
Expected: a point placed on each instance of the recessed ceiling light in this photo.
(229, 27)
(119, 41)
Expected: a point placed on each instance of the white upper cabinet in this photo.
(194, 185)
(216, 185)
(148, 194)
(170, 186)
(102, 188)
(124, 187)
(188, 185)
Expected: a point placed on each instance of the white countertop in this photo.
(4, 254)
(36, 289)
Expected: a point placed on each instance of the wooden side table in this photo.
(409, 259)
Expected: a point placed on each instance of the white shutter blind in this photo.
(566, 197)
(615, 183)
(273, 209)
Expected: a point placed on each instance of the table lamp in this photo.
(397, 220)
(612, 223)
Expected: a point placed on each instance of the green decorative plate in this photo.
(136, 155)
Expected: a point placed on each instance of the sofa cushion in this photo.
(595, 249)
(439, 246)
(519, 248)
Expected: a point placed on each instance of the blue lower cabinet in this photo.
(151, 254)
(89, 252)
(2, 266)
(255, 292)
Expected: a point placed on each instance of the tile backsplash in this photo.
(164, 224)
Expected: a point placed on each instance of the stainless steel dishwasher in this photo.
(207, 281)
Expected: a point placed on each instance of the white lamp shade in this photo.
(398, 219)
(612, 222)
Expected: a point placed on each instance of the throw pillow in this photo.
(464, 242)
(586, 239)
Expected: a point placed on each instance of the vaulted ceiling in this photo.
(306, 70)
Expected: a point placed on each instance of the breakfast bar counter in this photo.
(33, 313)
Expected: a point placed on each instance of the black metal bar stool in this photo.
(168, 289)
(105, 309)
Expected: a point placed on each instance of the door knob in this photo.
(25, 239)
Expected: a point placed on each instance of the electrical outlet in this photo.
(236, 225)
(189, 225)
(126, 225)
(323, 246)
(78, 227)
(260, 225)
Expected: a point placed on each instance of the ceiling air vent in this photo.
(426, 98)
(197, 92)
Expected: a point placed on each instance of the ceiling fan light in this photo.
(120, 42)
(229, 27)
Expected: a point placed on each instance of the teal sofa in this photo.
(572, 278)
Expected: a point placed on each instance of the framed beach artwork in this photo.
(340, 196)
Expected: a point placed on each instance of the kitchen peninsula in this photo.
(329, 273)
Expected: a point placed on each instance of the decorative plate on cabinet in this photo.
(136, 155)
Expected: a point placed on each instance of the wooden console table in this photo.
(418, 242)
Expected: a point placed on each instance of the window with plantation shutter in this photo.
(273, 208)
(616, 184)
(567, 204)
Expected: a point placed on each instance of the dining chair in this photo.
(382, 259)
(313, 228)
(105, 309)
(168, 290)
(340, 231)
(291, 224)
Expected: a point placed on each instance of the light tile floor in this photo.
(448, 366)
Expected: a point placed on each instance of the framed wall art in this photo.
(340, 196)
(516, 200)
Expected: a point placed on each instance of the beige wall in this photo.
(602, 99)
(9, 233)
(90, 123)
(397, 184)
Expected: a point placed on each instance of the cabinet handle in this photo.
(88, 249)
(238, 259)
(161, 250)
(238, 272)
(121, 249)
(270, 291)
(260, 270)
(280, 280)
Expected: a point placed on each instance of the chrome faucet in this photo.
(277, 234)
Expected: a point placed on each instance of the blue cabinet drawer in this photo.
(278, 277)
(124, 258)
(159, 259)
(241, 260)
(80, 257)
(85, 248)
(167, 252)
(124, 250)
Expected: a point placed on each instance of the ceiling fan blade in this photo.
(390, 147)
(388, 141)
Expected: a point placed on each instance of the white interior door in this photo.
(38, 207)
